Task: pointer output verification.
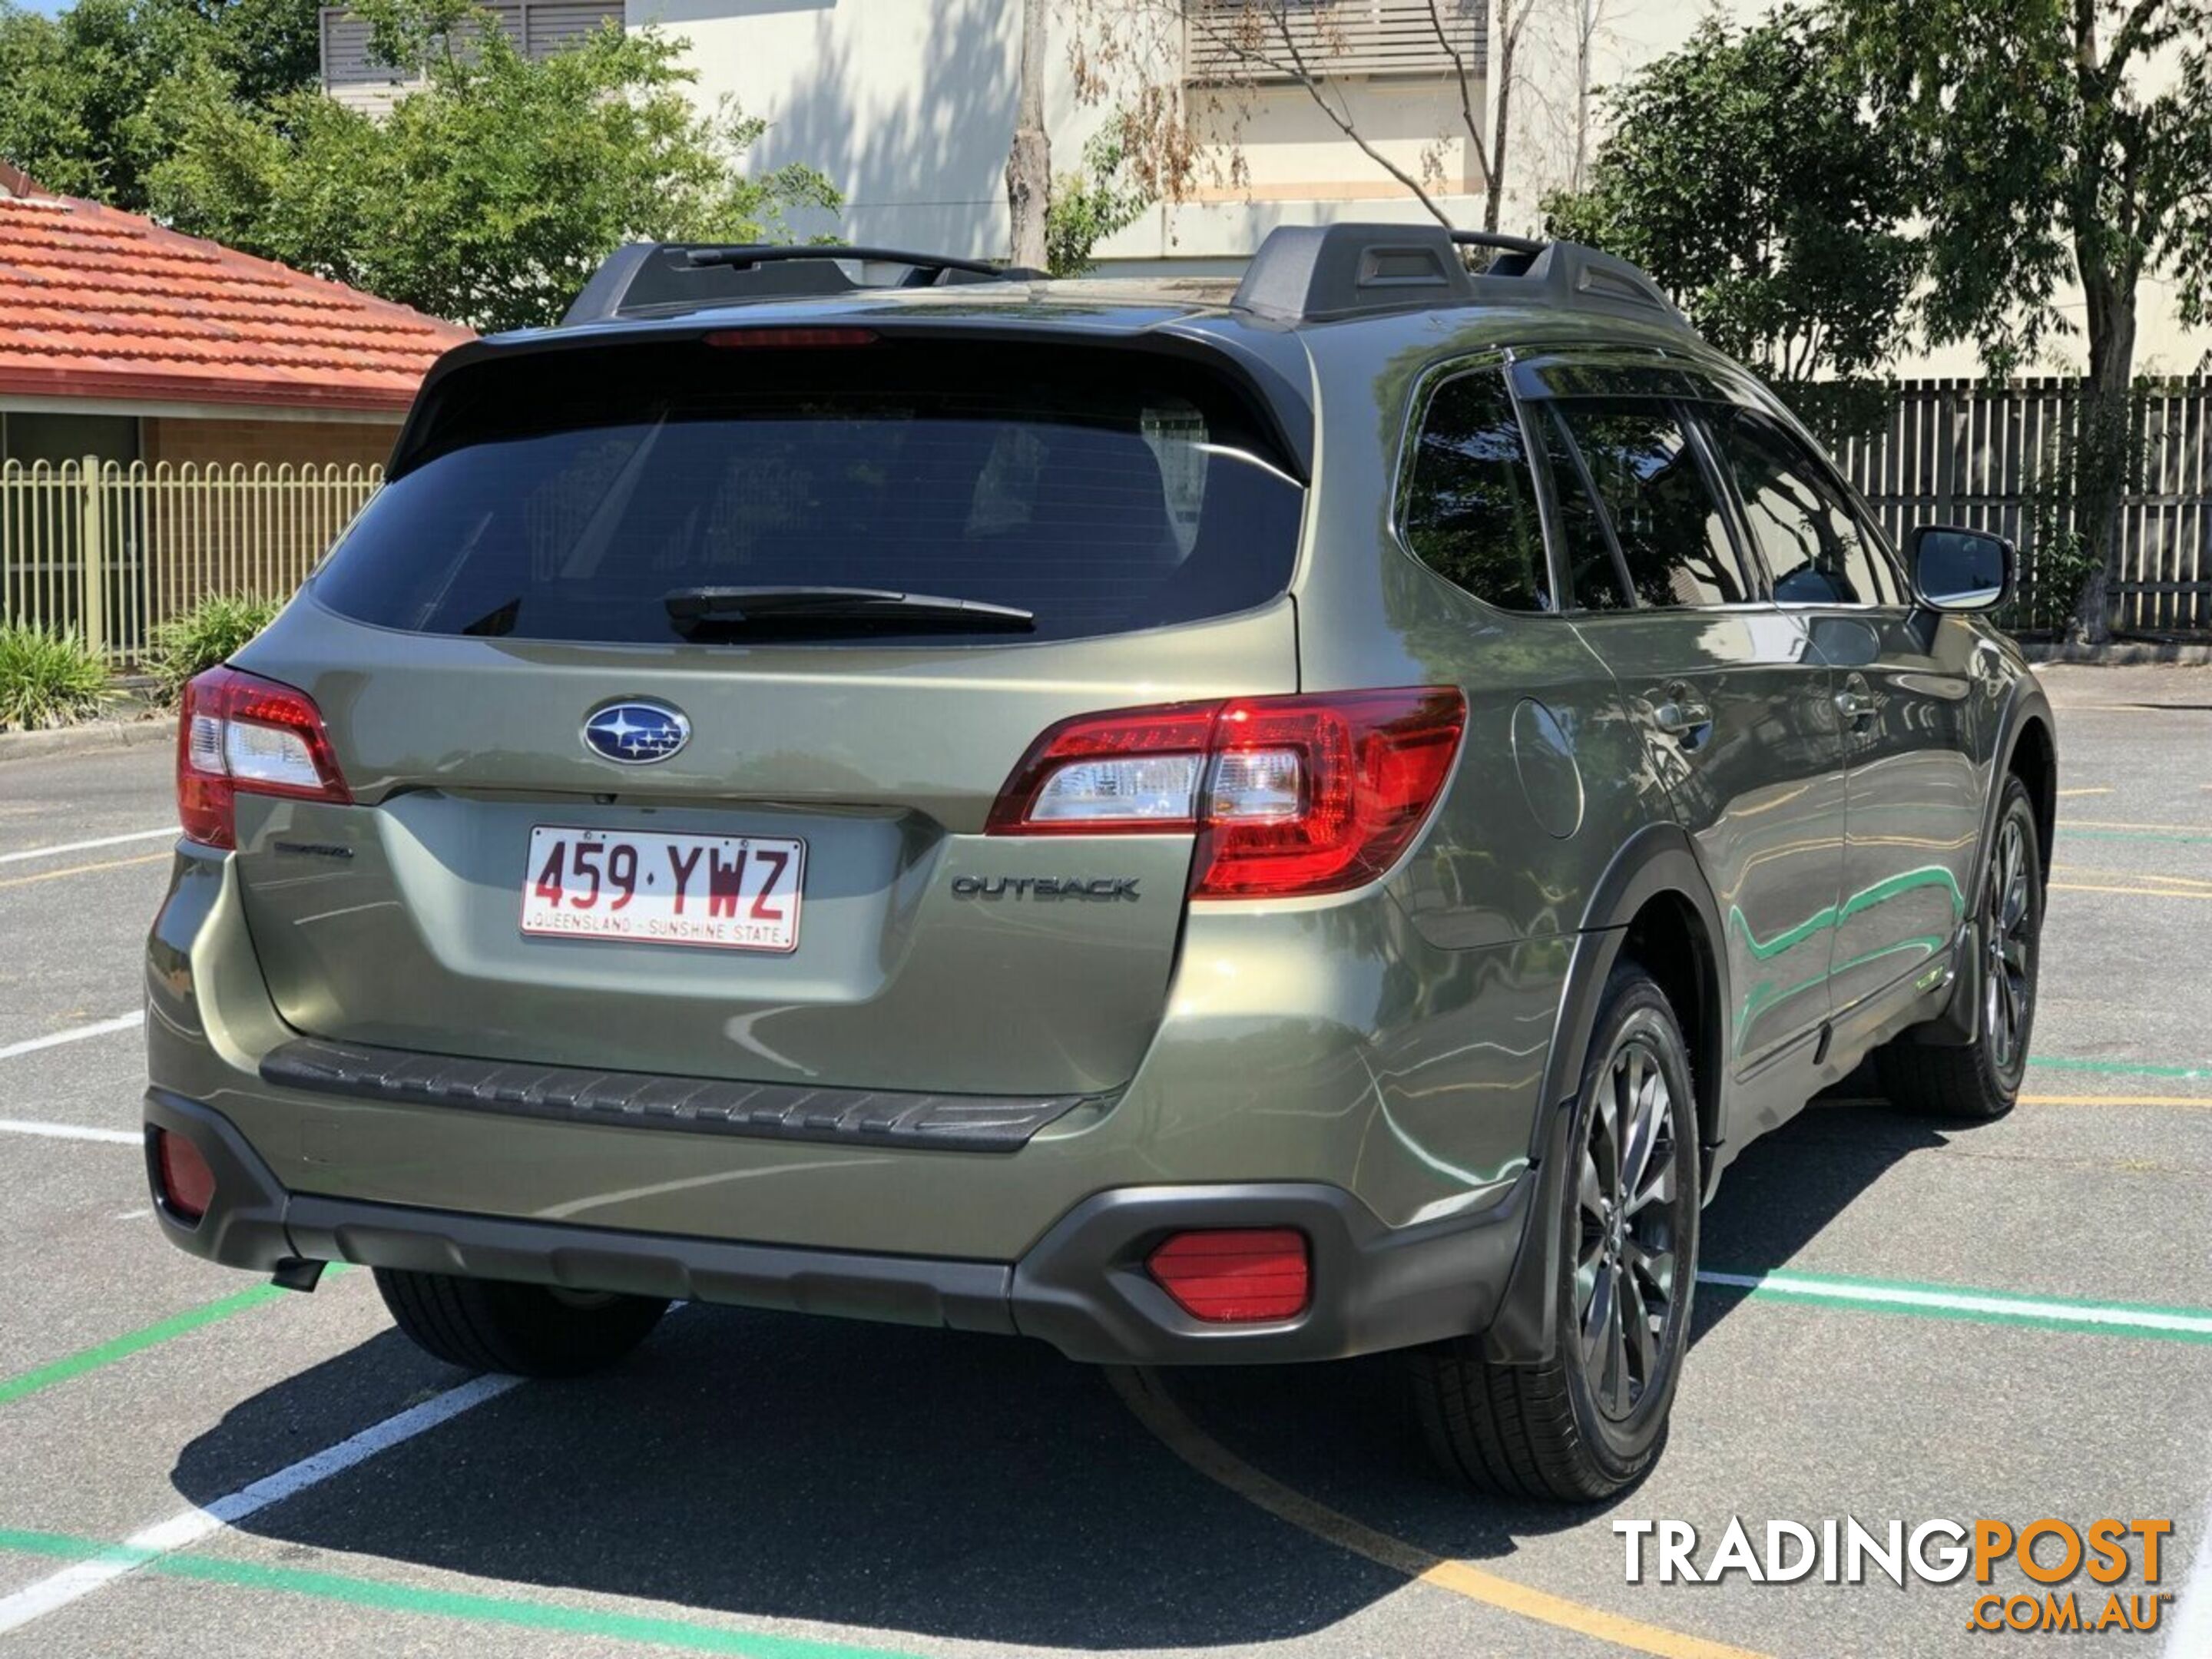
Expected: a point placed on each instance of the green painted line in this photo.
(122, 1347)
(2116, 1067)
(1895, 1296)
(510, 1611)
(146, 1336)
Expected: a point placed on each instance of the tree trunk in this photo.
(1029, 164)
(1502, 125)
(2101, 455)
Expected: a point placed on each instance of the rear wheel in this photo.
(1590, 1420)
(527, 1330)
(1981, 1080)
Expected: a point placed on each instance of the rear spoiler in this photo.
(1270, 367)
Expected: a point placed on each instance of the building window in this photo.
(1280, 40)
(353, 75)
(30, 436)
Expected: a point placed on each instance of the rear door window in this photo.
(1673, 535)
(569, 496)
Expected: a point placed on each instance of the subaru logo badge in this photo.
(635, 733)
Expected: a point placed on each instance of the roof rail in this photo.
(652, 275)
(1319, 273)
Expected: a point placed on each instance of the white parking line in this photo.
(74, 1033)
(17, 1126)
(169, 831)
(74, 1583)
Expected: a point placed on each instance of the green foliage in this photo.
(1089, 205)
(2049, 162)
(1745, 174)
(210, 632)
(74, 88)
(488, 196)
(47, 678)
(2046, 161)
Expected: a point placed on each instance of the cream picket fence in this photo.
(108, 553)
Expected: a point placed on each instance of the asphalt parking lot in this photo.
(1902, 1320)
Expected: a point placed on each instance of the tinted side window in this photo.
(1594, 579)
(1812, 541)
(1671, 531)
(1471, 507)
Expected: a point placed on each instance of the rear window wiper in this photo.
(800, 608)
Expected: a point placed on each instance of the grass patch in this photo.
(207, 635)
(47, 678)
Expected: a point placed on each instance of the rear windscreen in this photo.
(569, 496)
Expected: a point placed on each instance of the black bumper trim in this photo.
(642, 1100)
(1082, 1287)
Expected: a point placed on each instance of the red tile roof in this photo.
(99, 303)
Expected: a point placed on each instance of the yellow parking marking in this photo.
(83, 870)
(2171, 829)
(1147, 1399)
(2140, 892)
(2203, 1100)
(2064, 793)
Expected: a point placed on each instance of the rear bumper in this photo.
(1081, 1287)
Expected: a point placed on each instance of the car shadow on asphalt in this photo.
(921, 1481)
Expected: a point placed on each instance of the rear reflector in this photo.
(1240, 1276)
(187, 1183)
(1290, 795)
(238, 731)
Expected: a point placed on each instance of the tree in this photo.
(2051, 162)
(1178, 135)
(488, 196)
(1089, 206)
(74, 88)
(1745, 173)
(1029, 164)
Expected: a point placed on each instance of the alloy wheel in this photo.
(2008, 947)
(1629, 1203)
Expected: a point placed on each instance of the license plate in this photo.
(729, 892)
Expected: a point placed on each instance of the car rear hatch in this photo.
(637, 782)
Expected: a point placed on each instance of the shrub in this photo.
(210, 632)
(47, 678)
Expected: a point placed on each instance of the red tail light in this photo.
(786, 338)
(187, 1182)
(1236, 1276)
(1290, 795)
(238, 731)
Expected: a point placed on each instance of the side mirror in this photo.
(1958, 569)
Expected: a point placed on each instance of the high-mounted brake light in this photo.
(1289, 795)
(238, 731)
(737, 338)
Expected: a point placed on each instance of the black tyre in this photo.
(1591, 1420)
(1981, 1080)
(527, 1330)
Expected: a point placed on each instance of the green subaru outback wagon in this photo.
(1192, 827)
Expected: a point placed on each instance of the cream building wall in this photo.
(908, 105)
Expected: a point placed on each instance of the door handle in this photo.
(1679, 716)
